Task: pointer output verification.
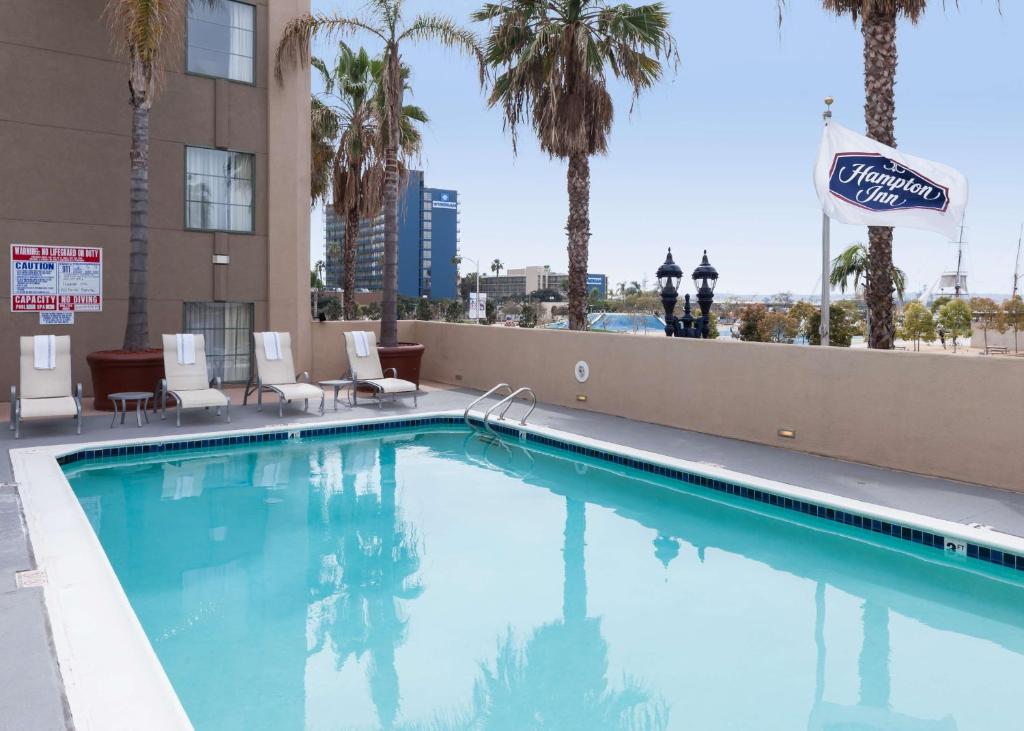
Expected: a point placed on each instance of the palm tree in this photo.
(552, 57)
(144, 31)
(352, 110)
(878, 26)
(385, 22)
(496, 267)
(854, 262)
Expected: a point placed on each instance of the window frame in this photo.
(184, 196)
(255, 49)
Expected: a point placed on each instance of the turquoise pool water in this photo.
(423, 580)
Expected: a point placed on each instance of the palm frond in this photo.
(294, 47)
(450, 34)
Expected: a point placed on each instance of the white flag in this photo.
(862, 181)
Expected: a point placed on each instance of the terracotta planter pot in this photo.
(405, 357)
(119, 370)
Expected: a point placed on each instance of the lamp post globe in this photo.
(669, 276)
(705, 277)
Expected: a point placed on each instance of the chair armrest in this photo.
(304, 376)
(393, 370)
(78, 392)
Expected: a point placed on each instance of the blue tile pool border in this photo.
(910, 534)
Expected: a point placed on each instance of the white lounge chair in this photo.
(189, 383)
(277, 375)
(45, 383)
(365, 370)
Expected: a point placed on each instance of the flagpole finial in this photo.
(828, 109)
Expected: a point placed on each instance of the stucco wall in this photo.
(328, 344)
(64, 142)
(960, 418)
(997, 339)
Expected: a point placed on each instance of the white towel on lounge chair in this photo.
(186, 349)
(362, 347)
(45, 352)
(272, 345)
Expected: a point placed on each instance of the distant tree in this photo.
(491, 311)
(854, 262)
(528, 315)
(939, 302)
(801, 311)
(454, 311)
(333, 310)
(1013, 312)
(423, 310)
(918, 324)
(406, 307)
(751, 324)
(496, 267)
(371, 311)
(955, 319)
(989, 316)
(548, 295)
(316, 275)
(780, 327)
(841, 327)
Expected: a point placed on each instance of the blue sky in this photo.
(720, 154)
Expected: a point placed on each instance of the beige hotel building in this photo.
(229, 175)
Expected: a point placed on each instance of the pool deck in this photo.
(31, 693)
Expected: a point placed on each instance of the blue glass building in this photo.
(428, 238)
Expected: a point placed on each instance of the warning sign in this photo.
(56, 278)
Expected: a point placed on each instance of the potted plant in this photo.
(385, 22)
(142, 35)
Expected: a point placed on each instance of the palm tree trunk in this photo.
(136, 334)
(880, 58)
(348, 257)
(389, 303)
(578, 229)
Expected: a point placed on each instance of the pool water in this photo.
(426, 580)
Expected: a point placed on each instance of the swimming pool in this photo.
(421, 578)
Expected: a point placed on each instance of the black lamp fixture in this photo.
(705, 277)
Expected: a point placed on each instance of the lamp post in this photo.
(705, 277)
(458, 260)
(669, 275)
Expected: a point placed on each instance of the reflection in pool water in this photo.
(425, 580)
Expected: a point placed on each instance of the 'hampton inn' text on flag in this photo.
(861, 181)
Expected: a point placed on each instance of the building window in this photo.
(218, 190)
(227, 328)
(221, 39)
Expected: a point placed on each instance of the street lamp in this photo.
(705, 277)
(669, 275)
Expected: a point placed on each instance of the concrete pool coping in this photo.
(31, 696)
(112, 677)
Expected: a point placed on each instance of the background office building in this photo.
(220, 124)
(520, 282)
(428, 238)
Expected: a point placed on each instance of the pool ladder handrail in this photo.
(507, 403)
(465, 414)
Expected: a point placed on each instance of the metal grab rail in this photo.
(507, 402)
(465, 414)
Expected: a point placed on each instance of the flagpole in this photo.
(826, 235)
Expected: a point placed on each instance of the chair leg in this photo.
(177, 411)
(322, 407)
(305, 404)
(280, 407)
(227, 410)
(17, 421)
